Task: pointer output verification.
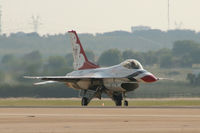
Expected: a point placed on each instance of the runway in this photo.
(111, 107)
(98, 120)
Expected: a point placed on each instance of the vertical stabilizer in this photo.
(80, 59)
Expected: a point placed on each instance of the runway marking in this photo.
(102, 115)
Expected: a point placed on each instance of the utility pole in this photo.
(36, 23)
(0, 21)
(168, 16)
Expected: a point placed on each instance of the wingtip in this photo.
(26, 77)
(29, 77)
(36, 84)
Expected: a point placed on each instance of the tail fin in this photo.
(80, 60)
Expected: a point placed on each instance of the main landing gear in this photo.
(87, 95)
(84, 101)
(118, 97)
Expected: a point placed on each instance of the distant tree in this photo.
(187, 51)
(150, 58)
(193, 79)
(163, 51)
(90, 55)
(185, 61)
(56, 65)
(2, 77)
(56, 62)
(69, 59)
(166, 61)
(10, 63)
(32, 62)
(197, 79)
(184, 47)
(194, 56)
(7, 58)
(128, 54)
(33, 56)
(110, 57)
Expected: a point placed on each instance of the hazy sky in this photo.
(92, 16)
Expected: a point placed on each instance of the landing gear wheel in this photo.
(126, 103)
(118, 103)
(84, 101)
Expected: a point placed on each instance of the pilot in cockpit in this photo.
(132, 64)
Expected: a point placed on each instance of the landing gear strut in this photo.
(118, 102)
(125, 101)
(87, 95)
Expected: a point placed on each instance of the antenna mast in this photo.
(0, 21)
(168, 16)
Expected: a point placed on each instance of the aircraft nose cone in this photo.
(149, 78)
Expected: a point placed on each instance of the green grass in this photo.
(76, 102)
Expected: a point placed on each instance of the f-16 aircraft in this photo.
(93, 80)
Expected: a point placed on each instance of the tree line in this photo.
(145, 40)
(184, 53)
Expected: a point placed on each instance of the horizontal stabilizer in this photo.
(45, 82)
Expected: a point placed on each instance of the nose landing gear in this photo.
(125, 103)
(124, 98)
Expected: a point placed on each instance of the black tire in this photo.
(118, 102)
(126, 103)
(84, 101)
(118, 99)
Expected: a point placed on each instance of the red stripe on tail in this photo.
(80, 59)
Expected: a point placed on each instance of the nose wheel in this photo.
(125, 101)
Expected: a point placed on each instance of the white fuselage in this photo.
(112, 77)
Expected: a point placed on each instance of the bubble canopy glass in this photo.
(132, 64)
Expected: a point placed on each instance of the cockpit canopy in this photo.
(132, 64)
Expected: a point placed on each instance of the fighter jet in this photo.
(93, 80)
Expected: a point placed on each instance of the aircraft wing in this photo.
(54, 79)
(67, 78)
(58, 78)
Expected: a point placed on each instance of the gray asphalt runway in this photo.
(98, 120)
(130, 107)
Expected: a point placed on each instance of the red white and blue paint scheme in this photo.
(93, 80)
